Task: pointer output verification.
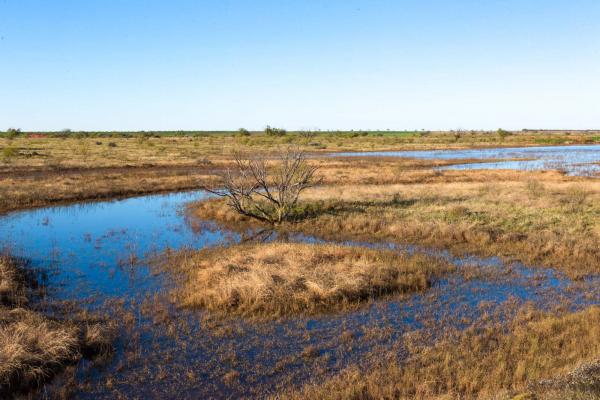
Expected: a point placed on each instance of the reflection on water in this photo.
(93, 244)
(98, 251)
(575, 160)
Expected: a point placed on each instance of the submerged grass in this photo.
(280, 279)
(34, 347)
(537, 356)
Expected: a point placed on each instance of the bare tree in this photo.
(264, 189)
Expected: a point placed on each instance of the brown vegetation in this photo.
(26, 188)
(279, 279)
(33, 347)
(43, 170)
(552, 222)
(117, 150)
(540, 356)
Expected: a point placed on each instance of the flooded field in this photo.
(100, 256)
(575, 160)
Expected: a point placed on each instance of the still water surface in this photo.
(575, 160)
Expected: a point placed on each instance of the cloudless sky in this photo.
(329, 64)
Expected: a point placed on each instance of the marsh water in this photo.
(575, 160)
(97, 256)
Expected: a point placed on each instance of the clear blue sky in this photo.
(150, 64)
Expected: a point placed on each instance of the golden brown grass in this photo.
(280, 279)
(541, 218)
(534, 358)
(46, 171)
(22, 189)
(34, 185)
(74, 151)
(33, 347)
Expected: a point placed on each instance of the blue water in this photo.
(574, 160)
(99, 252)
(94, 244)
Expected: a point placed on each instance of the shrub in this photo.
(243, 132)
(307, 134)
(12, 133)
(502, 133)
(9, 153)
(270, 131)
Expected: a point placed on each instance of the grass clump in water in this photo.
(280, 279)
(33, 347)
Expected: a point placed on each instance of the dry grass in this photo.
(553, 222)
(12, 283)
(139, 150)
(534, 358)
(33, 188)
(280, 279)
(46, 171)
(33, 347)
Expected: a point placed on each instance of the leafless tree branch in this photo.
(267, 190)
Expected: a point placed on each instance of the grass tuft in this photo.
(281, 279)
(33, 347)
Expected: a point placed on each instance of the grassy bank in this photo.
(538, 356)
(280, 279)
(541, 218)
(23, 189)
(33, 348)
(26, 187)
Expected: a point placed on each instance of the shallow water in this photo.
(98, 251)
(575, 160)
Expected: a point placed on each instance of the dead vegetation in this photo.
(538, 356)
(113, 149)
(266, 190)
(27, 188)
(280, 279)
(34, 347)
(550, 223)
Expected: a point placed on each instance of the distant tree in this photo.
(307, 134)
(243, 132)
(457, 134)
(502, 133)
(12, 133)
(266, 190)
(270, 131)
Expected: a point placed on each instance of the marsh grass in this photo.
(551, 223)
(537, 356)
(33, 347)
(21, 189)
(140, 148)
(280, 279)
